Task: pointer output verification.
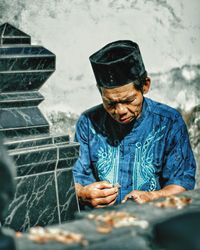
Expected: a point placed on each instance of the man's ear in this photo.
(146, 85)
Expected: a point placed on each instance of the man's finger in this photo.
(127, 197)
(105, 200)
(109, 191)
(94, 192)
(103, 184)
(110, 204)
(101, 193)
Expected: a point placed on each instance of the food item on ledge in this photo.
(18, 234)
(109, 220)
(174, 202)
(44, 235)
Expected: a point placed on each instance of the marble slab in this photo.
(37, 62)
(20, 120)
(23, 80)
(36, 168)
(20, 99)
(35, 202)
(11, 35)
(34, 155)
(24, 68)
(34, 141)
(45, 192)
(15, 40)
(68, 203)
(24, 131)
(68, 151)
(26, 117)
(46, 166)
(66, 163)
(42, 199)
(52, 153)
(25, 51)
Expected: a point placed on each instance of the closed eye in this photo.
(112, 104)
(128, 101)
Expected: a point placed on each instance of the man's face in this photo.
(124, 103)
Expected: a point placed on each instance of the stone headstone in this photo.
(45, 191)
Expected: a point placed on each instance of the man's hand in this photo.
(139, 196)
(97, 194)
(145, 196)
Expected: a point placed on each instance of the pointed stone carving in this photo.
(23, 70)
(11, 35)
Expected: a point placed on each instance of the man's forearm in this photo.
(167, 191)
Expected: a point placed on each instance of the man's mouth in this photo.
(125, 120)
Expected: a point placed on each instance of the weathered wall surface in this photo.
(167, 32)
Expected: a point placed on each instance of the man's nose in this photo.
(120, 109)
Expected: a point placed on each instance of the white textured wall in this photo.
(167, 31)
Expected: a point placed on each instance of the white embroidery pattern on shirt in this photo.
(108, 163)
(143, 168)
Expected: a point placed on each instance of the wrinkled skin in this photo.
(145, 196)
(97, 194)
(124, 103)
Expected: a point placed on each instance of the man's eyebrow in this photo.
(132, 96)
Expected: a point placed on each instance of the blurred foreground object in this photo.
(7, 190)
(7, 187)
(180, 232)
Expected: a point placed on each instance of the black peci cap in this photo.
(117, 64)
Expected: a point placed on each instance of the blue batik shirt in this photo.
(149, 153)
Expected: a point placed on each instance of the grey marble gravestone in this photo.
(44, 184)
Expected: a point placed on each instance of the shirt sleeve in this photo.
(82, 169)
(180, 166)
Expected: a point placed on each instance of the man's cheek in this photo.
(136, 108)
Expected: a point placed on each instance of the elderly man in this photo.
(130, 146)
